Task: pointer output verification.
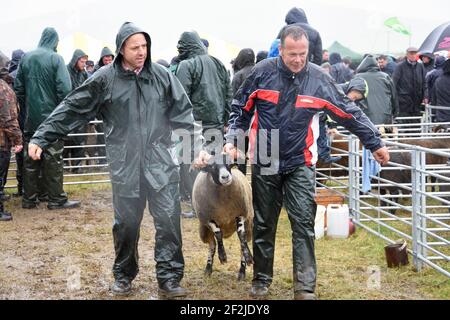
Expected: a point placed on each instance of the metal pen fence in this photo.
(93, 168)
(408, 199)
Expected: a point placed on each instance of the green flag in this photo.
(395, 25)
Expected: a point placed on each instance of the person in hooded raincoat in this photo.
(297, 17)
(207, 84)
(141, 103)
(380, 103)
(41, 83)
(106, 57)
(242, 65)
(78, 75)
(441, 93)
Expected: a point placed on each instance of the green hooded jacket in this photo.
(105, 52)
(381, 101)
(76, 76)
(139, 112)
(206, 82)
(42, 81)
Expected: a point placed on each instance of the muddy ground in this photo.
(68, 254)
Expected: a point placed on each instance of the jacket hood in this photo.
(427, 54)
(368, 64)
(78, 53)
(190, 45)
(127, 30)
(447, 66)
(335, 58)
(261, 55)
(439, 62)
(246, 57)
(274, 50)
(105, 52)
(16, 57)
(296, 15)
(359, 85)
(49, 39)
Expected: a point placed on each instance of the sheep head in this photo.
(219, 169)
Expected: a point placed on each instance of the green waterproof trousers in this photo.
(164, 206)
(44, 177)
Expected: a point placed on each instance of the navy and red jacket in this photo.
(273, 97)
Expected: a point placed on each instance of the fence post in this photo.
(418, 199)
(427, 119)
(353, 168)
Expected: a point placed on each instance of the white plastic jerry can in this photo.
(319, 222)
(338, 221)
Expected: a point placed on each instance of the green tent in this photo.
(346, 52)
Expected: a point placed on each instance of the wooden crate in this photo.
(325, 197)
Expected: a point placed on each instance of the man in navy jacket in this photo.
(282, 100)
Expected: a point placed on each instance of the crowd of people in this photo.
(296, 89)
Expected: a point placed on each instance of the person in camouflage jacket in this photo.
(10, 134)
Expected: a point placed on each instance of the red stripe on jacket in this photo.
(261, 94)
(309, 142)
(252, 137)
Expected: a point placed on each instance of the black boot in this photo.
(172, 289)
(69, 204)
(121, 287)
(4, 216)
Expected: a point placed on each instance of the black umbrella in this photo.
(438, 40)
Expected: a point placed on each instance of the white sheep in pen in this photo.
(222, 199)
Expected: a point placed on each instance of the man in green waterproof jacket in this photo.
(78, 75)
(106, 57)
(206, 82)
(41, 83)
(208, 86)
(141, 103)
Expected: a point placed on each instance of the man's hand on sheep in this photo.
(231, 150)
(382, 155)
(202, 160)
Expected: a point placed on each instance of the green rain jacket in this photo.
(42, 81)
(105, 52)
(206, 82)
(139, 113)
(380, 103)
(76, 76)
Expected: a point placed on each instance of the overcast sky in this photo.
(239, 23)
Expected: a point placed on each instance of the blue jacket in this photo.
(272, 97)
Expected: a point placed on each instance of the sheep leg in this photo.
(219, 237)
(383, 192)
(240, 224)
(395, 199)
(212, 251)
(241, 274)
